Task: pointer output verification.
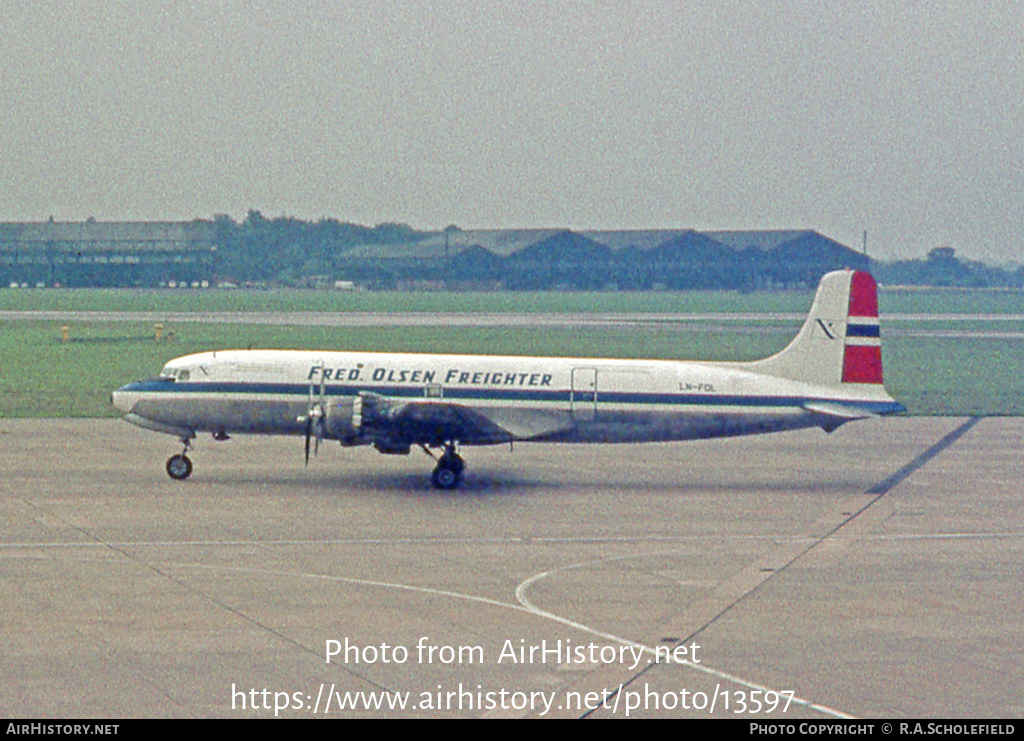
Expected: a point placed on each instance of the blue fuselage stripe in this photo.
(501, 394)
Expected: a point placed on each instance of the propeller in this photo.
(315, 417)
(315, 414)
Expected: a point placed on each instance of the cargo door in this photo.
(583, 395)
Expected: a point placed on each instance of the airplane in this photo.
(830, 374)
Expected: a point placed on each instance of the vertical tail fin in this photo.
(839, 342)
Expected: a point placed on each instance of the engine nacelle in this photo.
(363, 419)
(338, 421)
(372, 412)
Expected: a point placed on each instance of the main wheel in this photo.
(179, 467)
(445, 477)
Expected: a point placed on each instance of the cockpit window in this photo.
(179, 374)
(158, 379)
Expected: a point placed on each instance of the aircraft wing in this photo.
(393, 422)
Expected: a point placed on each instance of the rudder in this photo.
(862, 347)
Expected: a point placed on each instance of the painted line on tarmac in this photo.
(603, 681)
(729, 593)
(48, 545)
(886, 485)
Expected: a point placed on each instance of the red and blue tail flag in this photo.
(862, 354)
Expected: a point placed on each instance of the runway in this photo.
(965, 325)
(875, 572)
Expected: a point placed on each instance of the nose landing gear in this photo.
(179, 467)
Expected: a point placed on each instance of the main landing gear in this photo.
(448, 472)
(179, 466)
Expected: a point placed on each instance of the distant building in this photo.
(628, 259)
(96, 253)
(330, 253)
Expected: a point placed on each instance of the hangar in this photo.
(97, 253)
(544, 259)
(292, 252)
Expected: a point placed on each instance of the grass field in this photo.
(43, 376)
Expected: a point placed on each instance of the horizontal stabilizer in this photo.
(836, 413)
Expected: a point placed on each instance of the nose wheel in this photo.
(179, 467)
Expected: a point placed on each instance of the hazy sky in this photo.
(902, 118)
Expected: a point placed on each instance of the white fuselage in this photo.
(508, 398)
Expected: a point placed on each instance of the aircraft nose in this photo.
(121, 399)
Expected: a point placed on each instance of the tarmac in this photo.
(875, 572)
